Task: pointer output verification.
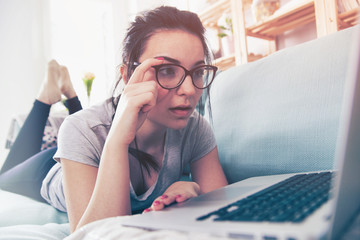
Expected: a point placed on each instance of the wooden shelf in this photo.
(299, 13)
(278, 23)
(349, 18)
(210, 16)
(224, 63)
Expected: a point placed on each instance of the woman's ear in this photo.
(123, 72)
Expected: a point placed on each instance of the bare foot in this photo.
(50, 92)
(65, 84)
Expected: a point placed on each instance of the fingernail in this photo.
(164, 196)
(179, 195)
(159, 58)
(156, 203)
(147, 210)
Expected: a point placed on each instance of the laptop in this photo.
(313, 205)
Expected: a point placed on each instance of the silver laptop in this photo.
(322, 205)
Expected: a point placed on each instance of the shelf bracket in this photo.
(240, 40)
(327, 21)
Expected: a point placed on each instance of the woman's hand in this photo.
(176, 193)
(138, 98)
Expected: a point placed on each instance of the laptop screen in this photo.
(347, 184)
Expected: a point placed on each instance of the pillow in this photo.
(16, 209)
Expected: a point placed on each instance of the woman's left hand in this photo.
(177, 192)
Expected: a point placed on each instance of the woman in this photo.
(28, 162)
(127, 155)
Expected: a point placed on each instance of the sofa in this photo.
(279, 114)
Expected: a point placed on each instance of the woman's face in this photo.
(174, 107)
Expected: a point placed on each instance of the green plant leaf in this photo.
(88, 83)
(221, 35)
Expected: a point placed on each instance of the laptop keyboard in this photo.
(291, 200)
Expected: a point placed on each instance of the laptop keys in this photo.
(291, 200)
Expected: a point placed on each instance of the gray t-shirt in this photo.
(82, 136)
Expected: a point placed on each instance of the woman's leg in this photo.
(29, 139)
(28, 142)
(26, 167)
(72, 103)
(26, 178)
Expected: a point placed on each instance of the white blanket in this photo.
(111, 229)
(50, 231)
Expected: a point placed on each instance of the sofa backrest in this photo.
(280, 114)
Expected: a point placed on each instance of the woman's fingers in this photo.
(139, 94)
(168, 199)
(138, 88)
(182, 198)
(136, 100)
(144, 101)
(142, 95)
(139, 72)
(157, 205)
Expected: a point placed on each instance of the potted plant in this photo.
(226, 34)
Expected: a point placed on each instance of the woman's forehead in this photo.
(177, 44)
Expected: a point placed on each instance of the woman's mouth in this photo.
(181, 111)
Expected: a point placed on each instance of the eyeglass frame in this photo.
(187, 73)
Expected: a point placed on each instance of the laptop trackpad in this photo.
(226, 193)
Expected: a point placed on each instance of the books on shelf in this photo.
(347, 5)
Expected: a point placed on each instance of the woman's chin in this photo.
(179, 124)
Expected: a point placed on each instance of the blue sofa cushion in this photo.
(16, 210)
(280, 114)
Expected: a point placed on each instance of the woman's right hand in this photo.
(138, 98)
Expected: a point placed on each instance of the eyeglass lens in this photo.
(170, 76)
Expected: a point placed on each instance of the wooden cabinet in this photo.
(323, 12)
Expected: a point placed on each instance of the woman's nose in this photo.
(187, 87)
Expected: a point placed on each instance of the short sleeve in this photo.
(202, 138)
(76, 143)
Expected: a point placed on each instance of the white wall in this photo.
(21, 60)
(81, 36)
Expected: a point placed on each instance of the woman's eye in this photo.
(166, 71)
(199, 73)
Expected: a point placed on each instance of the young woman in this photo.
(27, 162)
(128, 154)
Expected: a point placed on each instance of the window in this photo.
(80, 36)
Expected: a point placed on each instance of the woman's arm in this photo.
(93, 194)
(207, 175)
(79, 181)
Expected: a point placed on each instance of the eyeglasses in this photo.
(170, 75)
